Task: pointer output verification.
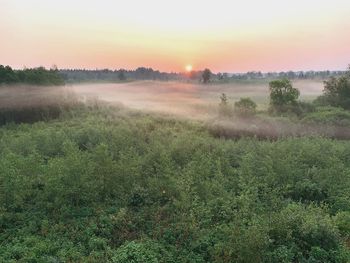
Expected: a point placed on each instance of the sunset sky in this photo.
(224, 35)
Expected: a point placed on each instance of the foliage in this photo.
(107, 75)
(34, 76)
(7, 75)
(245, 107)
(303, 108)
(329, 115)
(105, 184)
(342, 221)
(140, 252)
(336, 92)
(142, 73)
(206, 75)
(282, 95)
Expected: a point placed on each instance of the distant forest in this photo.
(142, 73)
(33, 76)
(54, 76)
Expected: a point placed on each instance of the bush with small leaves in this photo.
(245, 107)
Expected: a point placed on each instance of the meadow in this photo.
(141, 172)
(188, 99)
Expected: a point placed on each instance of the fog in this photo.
(24, 96)
(273, 129)
(186, 99)
(179, 100)
(182, 99)
(200, 102)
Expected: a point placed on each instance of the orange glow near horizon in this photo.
(228, 36)
(189, 68)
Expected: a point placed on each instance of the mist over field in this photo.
(25, 96)
(182, 100)
(186, 99)
(173, 99)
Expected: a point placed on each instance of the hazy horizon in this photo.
(174, 72)
(224, 36)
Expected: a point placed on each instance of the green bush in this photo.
(342, 220)
(308, 231)
(245, 107)
(328, 115)
(140, 252)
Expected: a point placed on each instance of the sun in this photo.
(188, 68)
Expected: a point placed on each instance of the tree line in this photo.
(204, 76)
(32, 76)
(54, 76)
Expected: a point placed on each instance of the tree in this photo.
(337, 91)
(121, 75)
(7, 75)
(34, 76)
(206, 75)
(245, 107)
(282, 94)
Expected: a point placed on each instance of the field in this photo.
(139, 172)
(188, 99)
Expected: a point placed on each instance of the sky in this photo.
(223, 35)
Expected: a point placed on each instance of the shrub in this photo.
(304, 108)
(308, 231)
(328, 115)
(141, 252)
(342, 220)
(245, 107)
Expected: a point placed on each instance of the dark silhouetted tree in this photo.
(206, 75)
(121, 75)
